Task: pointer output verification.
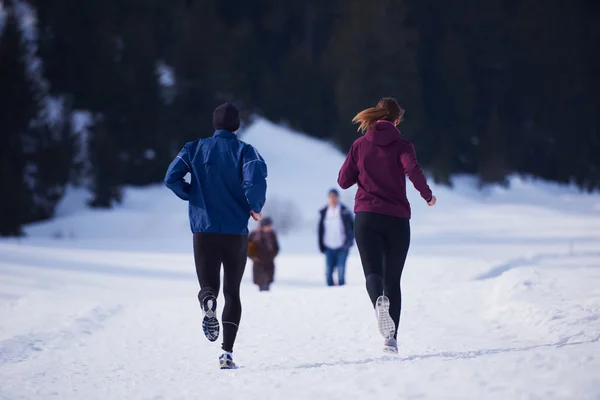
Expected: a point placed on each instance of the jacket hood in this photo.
(382, 133)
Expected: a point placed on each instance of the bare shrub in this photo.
(285, 214)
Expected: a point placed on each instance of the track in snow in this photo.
(529, 332)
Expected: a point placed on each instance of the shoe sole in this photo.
(227, 366)
(385, 323)
(390, 350)
(210, 323)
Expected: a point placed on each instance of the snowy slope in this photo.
(501, 299)
(301, 171)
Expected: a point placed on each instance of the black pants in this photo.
(210, 251)
(383, 243)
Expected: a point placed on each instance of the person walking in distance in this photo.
(336, 236)
(228, 186)
(378, 162)
(263, 247)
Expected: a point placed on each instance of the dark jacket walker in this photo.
(263, 247)
(348, 222)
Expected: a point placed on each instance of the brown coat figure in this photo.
(262, 250)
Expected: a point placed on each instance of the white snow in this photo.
(501, 299)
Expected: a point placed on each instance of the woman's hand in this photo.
(432, 202)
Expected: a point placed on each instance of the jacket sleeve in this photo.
(348, 174)
(254, 175)
(414, 172)
(179, 167)
(276, 242)
(321, 231)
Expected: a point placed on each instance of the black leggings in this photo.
(383, 243)
(210, 251)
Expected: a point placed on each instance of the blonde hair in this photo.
(387, 109)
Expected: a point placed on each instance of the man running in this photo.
(227, 186)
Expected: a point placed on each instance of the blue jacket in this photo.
(228, 180)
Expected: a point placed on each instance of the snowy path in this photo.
(501, 298)
(95, 324)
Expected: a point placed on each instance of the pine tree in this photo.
(17, 109)
(198, 67)
(106, 166)
(493, 166)
(560, 121)
(591, 44)
(372, 55)
(284, 80)
(103, 54)
(79, 46)
(50, 162)
(143, 141)
(453, 110)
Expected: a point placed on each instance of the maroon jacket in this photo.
(378, 162)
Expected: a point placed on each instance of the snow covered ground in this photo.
(501, 299)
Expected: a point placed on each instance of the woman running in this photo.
(378, 162)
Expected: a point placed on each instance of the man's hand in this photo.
(256, 216)
(432, 202)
